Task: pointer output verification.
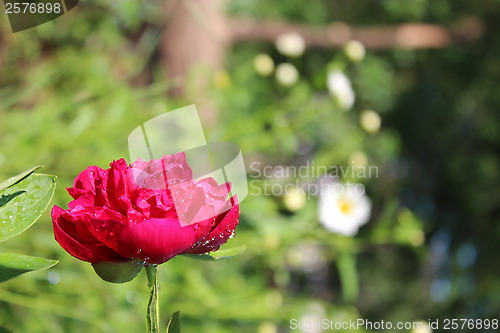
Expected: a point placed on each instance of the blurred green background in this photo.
(72, 90)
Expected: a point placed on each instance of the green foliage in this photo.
(23, 202)
(12, 265)
(219, 255)
(174, 325)
(23, 199)
(16, 179)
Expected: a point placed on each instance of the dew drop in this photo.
(196, 226)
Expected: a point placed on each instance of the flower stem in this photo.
(152, 321)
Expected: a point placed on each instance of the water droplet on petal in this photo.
(196, 226)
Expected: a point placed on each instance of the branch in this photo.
(335, 35)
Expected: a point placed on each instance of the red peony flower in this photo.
(152, 211)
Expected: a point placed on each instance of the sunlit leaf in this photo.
(16, 179)
(25, 202)
(219, 255)
(12, 265)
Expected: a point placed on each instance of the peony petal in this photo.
(119, 186)
(65, 236)
(224, 229)
(158, 240)
(86, 182)
(105, 225)
(160, 173)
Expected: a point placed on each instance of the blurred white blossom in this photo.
(263, 64)
(291, 44)
(287, 74)
(344, 208)
(354, 50)
(340, 88)
(370, 121)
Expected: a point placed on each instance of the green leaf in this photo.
(12, 265)
(218, 255)
(4, 330)
(16, 179)
(174, 325)
(25, 201)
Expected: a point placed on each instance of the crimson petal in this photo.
(158, 240)
(219, 235)
(64, 235)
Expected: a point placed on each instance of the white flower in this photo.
(263, 64)
(340, 88)
(287, 74)
(354, 50)
(370, 121)
(344, 208)
(291, 44)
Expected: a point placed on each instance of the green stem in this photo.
(346, 264)
(152, 321)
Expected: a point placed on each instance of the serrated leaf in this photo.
(12, 265)
(174, 325)
(16, 179)
(32, 196)
(218, 255)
